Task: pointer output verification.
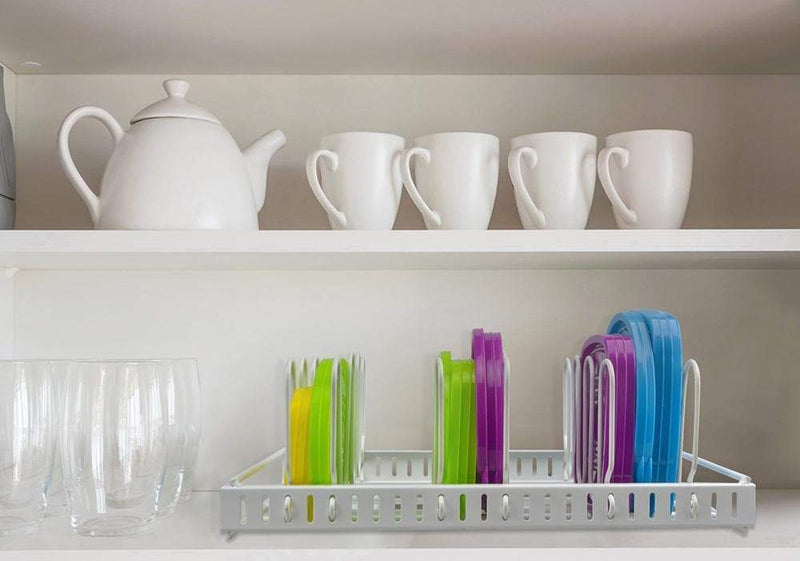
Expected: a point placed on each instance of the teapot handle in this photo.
(91, 200)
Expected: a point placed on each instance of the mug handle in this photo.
(405, 170)
(608, 186)
(89, 198)
(311, 174)
(515, 171)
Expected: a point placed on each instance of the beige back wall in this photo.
(746, 131)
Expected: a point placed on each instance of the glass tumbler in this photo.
(180, 400)
(56, 498)
(112, 446)
(27, 443)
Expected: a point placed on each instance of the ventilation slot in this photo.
(713, 506)
(288, 509)
(568, 507)
(548, 504)
(376, 508)
(462, 503)
(333, 509)
(652, 506)
(310, 509)
(484, 503)
(242, 511)
(398, 509)
(734, 504)
(526, 507)
(265, 510)
(354, 509)
(419, 508)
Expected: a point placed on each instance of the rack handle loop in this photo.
(567, 415)
(607, 367)
(691, 367)
(587, 421)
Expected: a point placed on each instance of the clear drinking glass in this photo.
(180, 399)
(56, 498)
(112, 446)
(27, 443)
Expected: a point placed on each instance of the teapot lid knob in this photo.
(175, 105)
(176, 88)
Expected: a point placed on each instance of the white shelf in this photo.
(195, 526)
(441, 37)
(320, 250)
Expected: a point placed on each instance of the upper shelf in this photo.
(401, 249)
(431, 37)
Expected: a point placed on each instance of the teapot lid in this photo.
(175, 105)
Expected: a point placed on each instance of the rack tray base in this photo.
(396, 494)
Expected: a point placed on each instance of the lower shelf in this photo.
(396, 495)
(194, 527)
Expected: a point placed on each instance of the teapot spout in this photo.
(257, 156)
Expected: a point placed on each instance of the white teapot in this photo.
(176, 168)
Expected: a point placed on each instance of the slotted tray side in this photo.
(396, 494)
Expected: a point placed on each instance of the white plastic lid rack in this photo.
(396, 494)
(394, 491)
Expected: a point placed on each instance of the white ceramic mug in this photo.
(455, 179)
(555, 187)
(361, 184)
(649, 183)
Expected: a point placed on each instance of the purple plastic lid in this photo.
(491, 380)
(481, 411)
(499, 409)
(596, 348)
(630, 407)
(618, 349)
(625, 410)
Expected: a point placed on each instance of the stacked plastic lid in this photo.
(471, 417)
(629, 401)
(659, 359)
(324, 421)
(603, 393)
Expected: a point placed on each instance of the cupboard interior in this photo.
(741, 325)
